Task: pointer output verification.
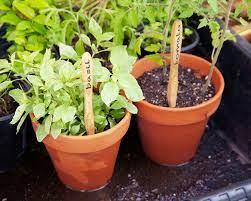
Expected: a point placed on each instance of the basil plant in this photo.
(56, 96)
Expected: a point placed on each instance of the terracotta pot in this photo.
(86, 163)
(170, 136)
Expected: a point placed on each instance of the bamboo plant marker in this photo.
(87, 75)
(176, 44)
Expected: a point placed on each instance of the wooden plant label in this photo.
(176, 44)
(87, 75)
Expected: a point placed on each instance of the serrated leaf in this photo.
(109, 93)
(203, 23)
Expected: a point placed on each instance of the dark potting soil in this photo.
(135, 178)
(7, 105)
(154, 87)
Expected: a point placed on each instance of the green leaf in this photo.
(35, 80)
(120, 103)
(67, 52)
(120, 58)
(101, 74)
(203, 23)
(24, 9)
(39, 110)
(133, 17)
(132, 108)
(5, 85)
(41, 134)
(68, 114)
(186, 13)
(95, 29)
(118, 114)
(85, 39)
(157, 58)
(41, 4)
(58, 112)
(56, 128)
(10, 18)
(132, 90)
(153, 47)
(107, 36)
(18, 95)
(18, 114)
(79, 47)
(214, 5)
(75, 129)
(109, 93)
(238, 9)
(21, 122)
(47, 123)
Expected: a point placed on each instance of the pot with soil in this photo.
(170, 136)
(12, 144)
(84, 120)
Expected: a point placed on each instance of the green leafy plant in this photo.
(37, 25)
(56, 96)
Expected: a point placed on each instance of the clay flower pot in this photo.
(170, 136)
(86, 163)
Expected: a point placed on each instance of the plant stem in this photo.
(166, 33)
(217, 51)
(70, 4)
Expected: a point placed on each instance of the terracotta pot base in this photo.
(179, 165)
(89, 191)
(86, 163)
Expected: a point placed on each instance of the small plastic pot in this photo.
(86, 163)
(170, 136)
(12, 145)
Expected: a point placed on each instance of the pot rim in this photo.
(204, 104)
(96, 135)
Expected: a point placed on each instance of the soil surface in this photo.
(154, 87)
(7, 106)
(136, 178)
